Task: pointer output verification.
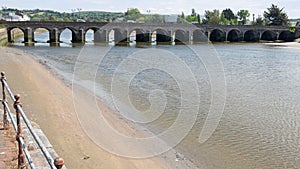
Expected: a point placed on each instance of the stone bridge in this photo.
(164, 33)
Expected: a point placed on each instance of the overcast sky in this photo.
(292, 7)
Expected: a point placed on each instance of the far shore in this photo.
(295, 44)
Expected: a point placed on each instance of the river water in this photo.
(260, 124)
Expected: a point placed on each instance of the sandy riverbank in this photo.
(48, 101)
(295, 44)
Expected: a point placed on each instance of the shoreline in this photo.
(53, 110)
(294, 44)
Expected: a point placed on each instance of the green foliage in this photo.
(191, 18)
(243, 16)
(49, 15)
(132, 14)
(1, 26)
(260, 21)
(194, 17)
(293, 29)
(212, 17)
(156, 18)
(198, 19)
(181, 18)
(228, 14)
(193, 13)
(224, 20)
(276, 16)
(228, 17)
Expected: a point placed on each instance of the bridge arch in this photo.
(137, 30)
(286, 36)
(90, 34)
(233, 35)
(40, 34)
(251, 36)
(217, 35)
(181, 36)
(14, 33)
(269, 35)
(199, 36)
(67, 35)
(139, 35)
(162, 36)
(117, 36)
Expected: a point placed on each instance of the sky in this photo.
(257, 7)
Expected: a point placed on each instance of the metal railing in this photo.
(56, 163)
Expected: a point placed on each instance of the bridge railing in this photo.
(23, 152)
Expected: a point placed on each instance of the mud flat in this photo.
(48, 101)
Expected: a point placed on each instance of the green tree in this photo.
(276, 16)
(156, 18)
(243, 16)
(212, 17)
(228, 14)
(182, 16)
(141, 20)
(198, 19)
(132, 14)
(193, 12)
(194, 17)
(260, 21)
(224, 20)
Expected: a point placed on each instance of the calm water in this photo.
(260, 126)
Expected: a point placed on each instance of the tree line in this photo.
(49, 15)
(272, 16)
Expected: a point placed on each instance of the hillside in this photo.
(49, 15)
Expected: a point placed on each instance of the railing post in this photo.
(5, 120)
(21, 156)
(59, 162)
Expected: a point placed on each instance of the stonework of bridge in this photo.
(164, 32)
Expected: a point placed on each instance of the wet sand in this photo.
(48, 101)
(295, 44)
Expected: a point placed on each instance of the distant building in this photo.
(80, 20)
(131, 21)
(17, 16)
(170, 18)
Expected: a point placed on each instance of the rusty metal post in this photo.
(59, 162)
(21, 156)
(5, 120)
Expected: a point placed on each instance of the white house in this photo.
(17, 16)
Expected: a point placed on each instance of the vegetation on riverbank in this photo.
(271, 16)
(49, 15)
